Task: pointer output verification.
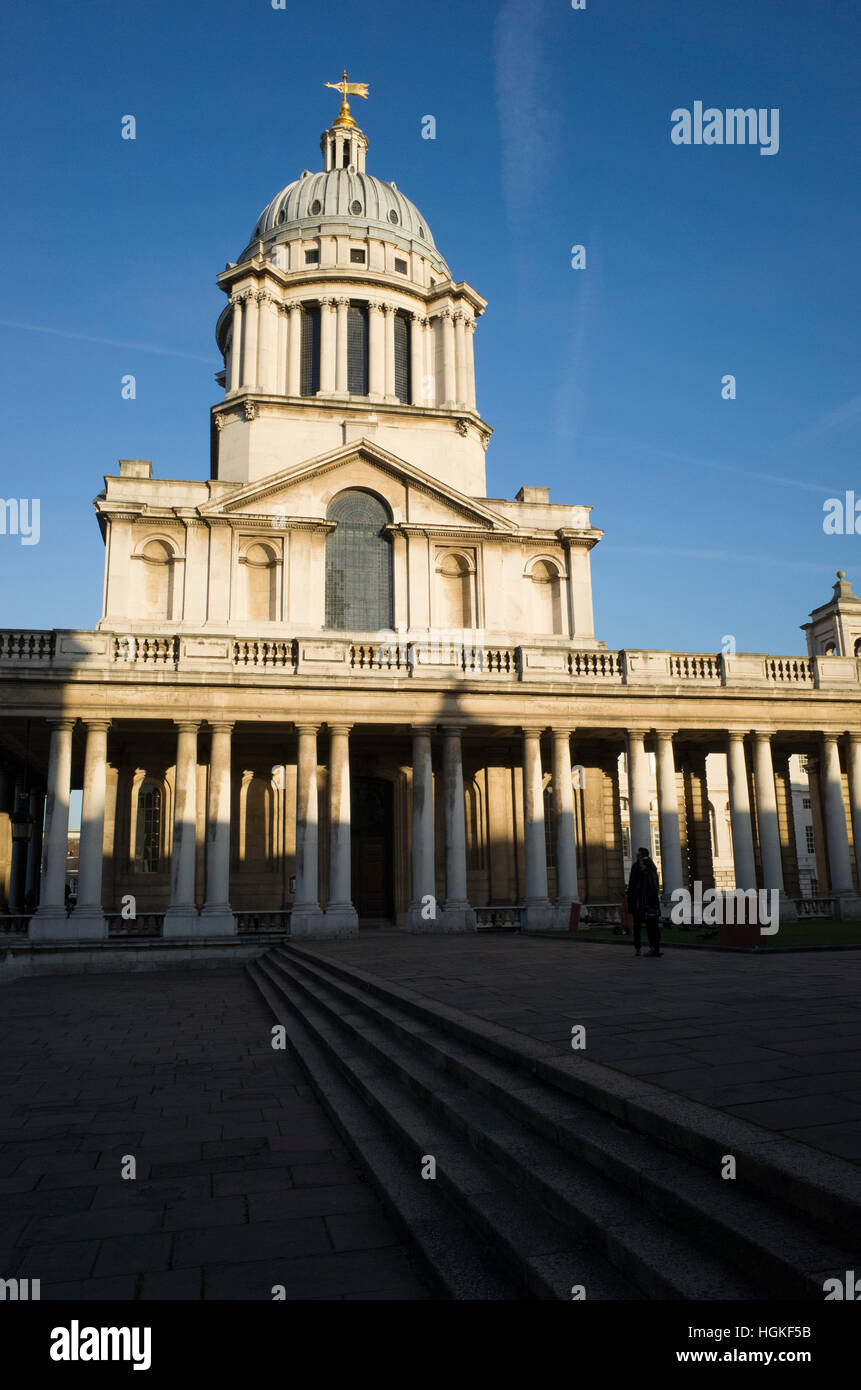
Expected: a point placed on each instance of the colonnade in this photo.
(265, 354)
(755, 826)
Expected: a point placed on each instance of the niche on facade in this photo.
(545, 578)
(150, 817)
(156, 578)
(260, 567)
(456, 589)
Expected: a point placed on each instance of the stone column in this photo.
(457, 913)
(767, 822)
(739, 812)
(268, 347)
(470, 369)
(89, 915)
(281, 368)
(389, 354)
(249, 342)
(341, 372)
(376, 350)
(306, 919)
(217, 915)
(853, 752)
(236, 345)
(424, 914)
(538, 913)
(417, 357)
(181, 918)
(34, 848)
(50, 921)
(294, 349)
(449, 389)
(638, 793)
(341, 916)
(327, 347)
(672, 876)
(460, 357)
(563, 810)
(836, 832)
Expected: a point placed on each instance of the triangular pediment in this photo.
(304, 490)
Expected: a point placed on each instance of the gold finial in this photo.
(356, 89)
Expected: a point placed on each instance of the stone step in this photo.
(507, 1249)
(779, 1251)
(662, 1262)
(802, 1181)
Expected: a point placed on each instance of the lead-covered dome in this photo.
(341, 195)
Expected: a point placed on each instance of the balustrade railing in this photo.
(147, 924)
(254, 923)
(27, 646)
(698, 666)
(273, 656)
(810, 908)
(498, 918)
(794, 670)
(598, 664)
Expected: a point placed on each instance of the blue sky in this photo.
(553, 128)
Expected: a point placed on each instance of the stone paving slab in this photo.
(706, 1025)
(242, 1182)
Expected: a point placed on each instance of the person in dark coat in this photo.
(644, 902)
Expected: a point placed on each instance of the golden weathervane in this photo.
(354, 89)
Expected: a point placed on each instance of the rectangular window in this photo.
(310, 349)
(357, 255)
(400, 266)
(808, 835)
(805, 801)
(402, 358)
(312, 257)
(357, 349)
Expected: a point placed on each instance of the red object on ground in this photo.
(574, 919)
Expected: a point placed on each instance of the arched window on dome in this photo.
(310, 350)
(359, 570)
(546, 606)
(357, 349)
(403, 365)
(261, 571)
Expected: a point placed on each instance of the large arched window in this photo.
(357, 349)
(359, 587)
(310, 349)
(403, 372)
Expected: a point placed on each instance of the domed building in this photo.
(336, 684)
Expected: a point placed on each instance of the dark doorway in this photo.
(371, 819)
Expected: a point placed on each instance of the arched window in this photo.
(403, 366)
(261, 583)
(310, 350)
(455, 583)
(357, 349)
(157, 582)
(546, 598)
(858, 647)
(359, 583)
(148, 832)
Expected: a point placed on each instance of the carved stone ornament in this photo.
(462, 426)
(251, 410)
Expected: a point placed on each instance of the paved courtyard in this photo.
(242, 1183)
(775, 1040)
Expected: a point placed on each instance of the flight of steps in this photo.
(554, 1173)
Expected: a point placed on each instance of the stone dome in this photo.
(343, 196)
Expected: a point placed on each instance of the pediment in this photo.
(303, 492)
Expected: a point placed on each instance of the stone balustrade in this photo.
(104, 653)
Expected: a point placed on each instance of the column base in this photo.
(419, 918)
(786, 909)
(218, 920)
(341, 919)
(457, 917)
(181, 921)
(308, 920)
(540, 916)
(52, 924)
(847, 908)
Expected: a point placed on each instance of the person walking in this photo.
(644, 902)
